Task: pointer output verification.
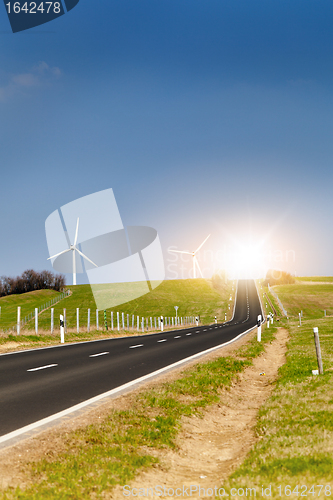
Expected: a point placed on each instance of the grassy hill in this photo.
(192, 296)
(312, 299)
(314, 279)
(28, 302)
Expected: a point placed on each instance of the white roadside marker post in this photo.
(143, 325)
(88, 323)
(196, 321)
(138, 323)
(318, 351)
(118, 327)
(52, 320)
(300, 319)
(36, 320)
(123, 320)
(62, 329)
(268, 318)
(78, 320)
(97, 320)
(161, 321)
(18, 320)
(259, 328)
(111, 320)
(215, 320)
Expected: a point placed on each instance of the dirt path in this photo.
(210, 448)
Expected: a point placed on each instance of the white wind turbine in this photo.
(73, 248)
(195, 260)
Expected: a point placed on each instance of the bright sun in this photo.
(245, 261)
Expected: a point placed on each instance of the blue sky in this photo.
(204, 116)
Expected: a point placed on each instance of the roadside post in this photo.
(18, 320)
(300, 319)
(268, 318)
(52, 319)
(197, 321)
(176, 307)
(259, 328)
(105, 321)
(88, 322)
(318, 351)
(97, 320)
(77, 320)
(215, 320)
(36, 320)
(62, 329)
(161, 323)
(272, 318)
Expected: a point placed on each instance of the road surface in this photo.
(38, 383)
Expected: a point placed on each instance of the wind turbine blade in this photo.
(85, 257)
(197, 250)
(197, 263)
(180, 251)
(60, 253)
(76, 232)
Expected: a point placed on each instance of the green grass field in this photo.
(27, 301)
(192, 296)
(322, 279)
(294, 453)
(311, 299)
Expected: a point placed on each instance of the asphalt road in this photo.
(38, 383)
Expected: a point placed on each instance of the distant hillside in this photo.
(191, 296)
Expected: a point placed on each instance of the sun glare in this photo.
(246, 262)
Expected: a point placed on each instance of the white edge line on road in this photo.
(41, 368)
(112, 392)
(134, 346)
(99, 354)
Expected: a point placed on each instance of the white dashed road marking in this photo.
(164, 340)
(178, 337)
(40, 368)
(99, 354)
(134, 346)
